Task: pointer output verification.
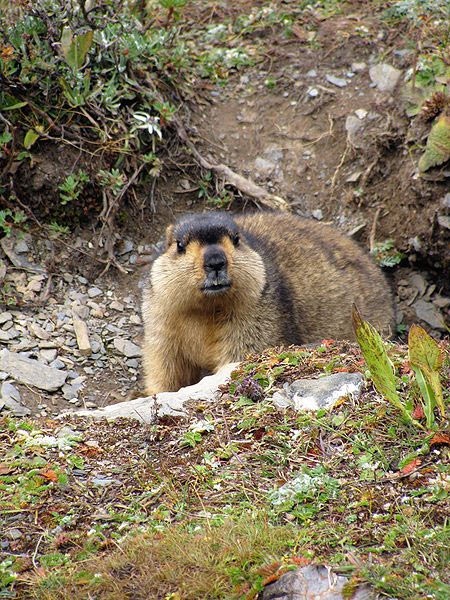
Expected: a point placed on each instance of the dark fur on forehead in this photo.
(207, 228)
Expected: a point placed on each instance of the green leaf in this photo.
(437, 150)
(30, 137)
(426, 356)
(380, 366)
(15, 106)
(75, 48)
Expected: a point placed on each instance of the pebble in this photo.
(115, 305)
(10, 397)
(384, 76)
(31, 372)
(357, 67)
(93, 292)
(127, 348)
(5, 317)
(337, 81)
(427, 312)
(49, 355)
(361, 113)
(311, 73)
(313, 92)
(317, 214)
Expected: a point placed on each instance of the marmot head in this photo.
(207, 261)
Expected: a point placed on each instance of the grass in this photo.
(367, 494)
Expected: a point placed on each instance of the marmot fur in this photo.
(227, 286)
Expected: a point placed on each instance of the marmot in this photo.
(227, 286)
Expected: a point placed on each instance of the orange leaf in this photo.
(440, 438)
(411, 466)
(327, 343)
(49, 474)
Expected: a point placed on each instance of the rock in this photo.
(263, 166)
(314, 582)
(311, 73)
(127, 348)
(444, 221)
(384, 76)
(38, 332)
(57, 364)
(93, 292)
(5, 317)
(338, 81)
(313, 92)
(317, 214)
(70, 391)
(21, 247)
(125, 247)
(361, 113)
(445, 203)
(31, 372)
(116, 306)
(135, 320)
(313, 394)
(48, 355)
(147, 409)
(418, 282)
(82, 334)
(427, 312)
(357, 67)
(10, 397)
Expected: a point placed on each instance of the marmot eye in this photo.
(235, 239)
(180, 247)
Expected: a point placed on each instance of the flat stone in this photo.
(125, 247)
(49, 355)
(21, 247)
(313, 394)
(314, 582)
(263, 166)
(116, 306)
(311, 73)
(317, 214)
(4, 317)
(427, 312)
(57, 364)
(384, 76)
(352, 125)
(10, 397)
(127, 348)
(444, 221)
(313, 92)
(361, 113)
(38, 332)
(357, 67)
(337, 81)
(31, 372)
(93, 292)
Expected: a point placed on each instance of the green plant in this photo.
(9, 219)
(72, 186)
(386, 255)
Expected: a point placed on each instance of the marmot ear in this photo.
(169, 235)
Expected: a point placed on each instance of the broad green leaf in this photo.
(437, 150)
(380, 366)
(75, 48)
(425, 355)
(30, 137)
(428, 396)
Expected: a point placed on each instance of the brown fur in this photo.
(292, 281)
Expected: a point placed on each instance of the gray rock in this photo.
(313, 394)
(49, 355)
(352, 125)
(418, 282)
(444, 221)
(313, 582)
(31, 372)
(93, 292)
(338, 81)
(317, 214)
(313, 92)
(70, 391)
(384, 76)
(427, 312)
(263, 166)
(361, 113)
(445, 203)
(57, 364)
(4, 317)
(127, 348)
(357, 67)
(10, 397)
(21, 247)
(125, 247)
(311, 73)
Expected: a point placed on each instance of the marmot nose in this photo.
(214, 259)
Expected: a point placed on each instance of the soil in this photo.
(283, 124)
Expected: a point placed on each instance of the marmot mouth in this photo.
(215, 289)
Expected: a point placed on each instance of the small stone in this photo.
(4, 336)
(444, 221)
(311, 73)
(427, 312)
(48, 355)
(89, 404)
(95, 346)
(445, 202)
(14, 534)
(133, 363)
(313, 92)
(93, 292)
(337, 81)
(361, 113)
(135, 320)
(317, 214)
(265, 167)
(418, 282)
(358, 66)
(127, 348)
(116, 306)
(75, 401)
(384, 76)
(21, 247)
(57, 364)
(82, 334)
(352, 125)
(125, 247)
(70, 391)
(10, 397)
(39, 332)
(5, 317)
